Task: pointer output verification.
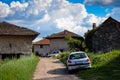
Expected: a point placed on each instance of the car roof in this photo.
(77, 52)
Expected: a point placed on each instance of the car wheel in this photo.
(69, 71)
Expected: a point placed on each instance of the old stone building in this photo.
(58, 42)
(106, 36)
(42, 47)
(15, 40)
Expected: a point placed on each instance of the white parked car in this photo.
(55, 53)
(78, 60)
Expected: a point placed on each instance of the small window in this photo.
(10, 45)
(41, 46)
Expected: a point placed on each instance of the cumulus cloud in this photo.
(49, 15)
(37, 6)
(103, 2)
(18, 5)
(12, 11)
(4, 10)
(115, 13)
(91, 18)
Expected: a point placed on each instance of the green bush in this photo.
(63, 57)
(18, 69)
(88, 39)
(74, 44)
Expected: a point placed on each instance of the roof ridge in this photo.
(63, 34)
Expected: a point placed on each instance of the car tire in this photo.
(69, 71)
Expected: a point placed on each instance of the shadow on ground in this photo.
(58, 71)
(68, 77)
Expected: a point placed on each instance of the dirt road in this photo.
(52, 69)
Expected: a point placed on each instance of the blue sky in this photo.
(52, 16)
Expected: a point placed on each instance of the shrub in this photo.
(63, 57)
(74, 44)
(88, 39)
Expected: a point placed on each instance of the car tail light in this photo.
(88, 60)
(69, 61)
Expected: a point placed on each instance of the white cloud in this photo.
(18, 5)
(49, 15)
(45, 18)
(36, 6)
(4, 10)
(91, 18)
(65, 22)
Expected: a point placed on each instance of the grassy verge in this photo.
(18, 69)
(105, 66)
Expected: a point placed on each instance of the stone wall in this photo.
(42, 51)
(15, 44)
(57, 44)
(106, 38)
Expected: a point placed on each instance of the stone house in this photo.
(106, 36)
(42, 47)
(58, 42)
(15, 40)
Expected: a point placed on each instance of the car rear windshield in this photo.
(77, 56)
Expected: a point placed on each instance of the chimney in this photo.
(94, 25)
(65, 32)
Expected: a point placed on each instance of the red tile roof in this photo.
(11, 29)
(43, 41)
(63, 34)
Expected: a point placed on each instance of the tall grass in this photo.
(18, 69)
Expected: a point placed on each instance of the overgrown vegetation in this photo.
(18, 69)
(88, 39)
(63, 57)
(105, 66)
(74, 44)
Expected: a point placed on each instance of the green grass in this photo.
(18, 69)
(105, 66)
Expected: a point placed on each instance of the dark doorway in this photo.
(10, 56)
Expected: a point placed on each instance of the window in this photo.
(77, 56)
(41, 46)
(10, 45)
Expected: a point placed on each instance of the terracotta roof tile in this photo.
(63, 34)
(43, 41)
(11, 29)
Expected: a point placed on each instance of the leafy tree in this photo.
(74, 44)
(88, 39)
